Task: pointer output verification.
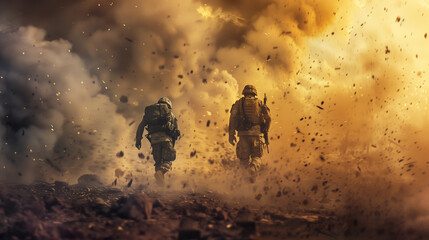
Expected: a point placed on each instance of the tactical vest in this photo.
(251, 109)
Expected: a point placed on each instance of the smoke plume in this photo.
(345, 82)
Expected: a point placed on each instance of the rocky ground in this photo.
(62, 211)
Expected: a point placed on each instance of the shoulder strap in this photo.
(161, 111)
(242, 109)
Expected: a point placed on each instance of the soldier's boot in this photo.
(244, 168)
(252, 174)
(159, 176)
(254, 164)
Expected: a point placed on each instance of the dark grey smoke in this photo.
(50, 105)
(100, 51)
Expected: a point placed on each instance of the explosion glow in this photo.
(345, 80)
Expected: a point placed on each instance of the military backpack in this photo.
(158, 117)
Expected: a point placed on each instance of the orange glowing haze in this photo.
(345, 80)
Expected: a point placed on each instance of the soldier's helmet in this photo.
(166, 101)
(249, 89)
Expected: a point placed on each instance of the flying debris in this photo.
(123, 99)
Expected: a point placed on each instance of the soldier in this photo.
(251, 118)
(162, 129)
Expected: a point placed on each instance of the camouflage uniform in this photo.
(161, 138)
(250, 117)
(163, 151)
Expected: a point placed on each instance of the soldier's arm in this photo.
(173, 127)
(267, 117)
(176, 127)
(233, 119)
(140, 130)
(176, 131)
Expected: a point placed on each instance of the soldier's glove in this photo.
(138, 144)
(169, 126)
(232, 139)
(177, 134)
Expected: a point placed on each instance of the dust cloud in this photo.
(345, 82)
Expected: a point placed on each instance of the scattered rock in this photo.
(89, 180)
(104, 213)
(100, 202)
(137, 207)
(36, 206)
(158, 204)
(51, 201)
(11, 206)
(189, 229)
(60, 184)
(246, 220)
(100, 206)
(220, 214)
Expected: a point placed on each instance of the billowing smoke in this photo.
(345, 82)
(51, 106)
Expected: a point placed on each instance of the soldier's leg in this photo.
(157, 157)
(168, 155)
(256, 154)
(157, 154)
(243, 151)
